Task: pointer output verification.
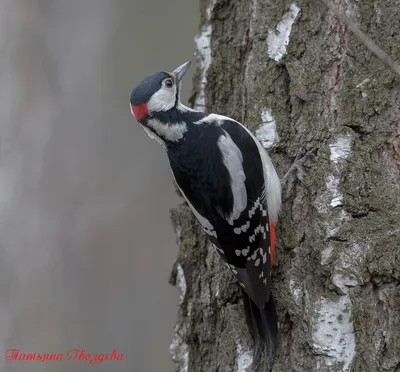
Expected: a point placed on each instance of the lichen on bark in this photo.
(337, 274)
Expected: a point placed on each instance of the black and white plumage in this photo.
(229, 183)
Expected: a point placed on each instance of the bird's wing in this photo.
(255, 276)
(242, 241)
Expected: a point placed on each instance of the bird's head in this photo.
(158, 92)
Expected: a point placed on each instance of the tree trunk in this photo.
(299, 79)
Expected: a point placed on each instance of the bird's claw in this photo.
(298, 165)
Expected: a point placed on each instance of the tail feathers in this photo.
(263, 327)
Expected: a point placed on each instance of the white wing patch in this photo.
(171, 132)
(272, 184)
(233, 160)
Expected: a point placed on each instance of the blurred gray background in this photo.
(86, 245)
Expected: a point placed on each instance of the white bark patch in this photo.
(333, 332)
(244, 359)
(278, 40)
(296, 291)
(326, 254)
(343, 281)
(203, 46)
(333, 220)
(180, 352)
(181, 282)
(340, 149)
(348, 265)
(332, 186)
(267, 133)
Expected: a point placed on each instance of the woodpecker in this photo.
(229, 183)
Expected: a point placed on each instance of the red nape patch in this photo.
(140, 111)
(272, 237)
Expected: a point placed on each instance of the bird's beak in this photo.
(180, 71)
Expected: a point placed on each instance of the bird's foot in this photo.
(296, 170)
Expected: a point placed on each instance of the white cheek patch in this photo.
(162, 100)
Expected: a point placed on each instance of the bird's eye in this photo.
(168, 83)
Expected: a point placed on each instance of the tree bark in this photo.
(299, 79)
